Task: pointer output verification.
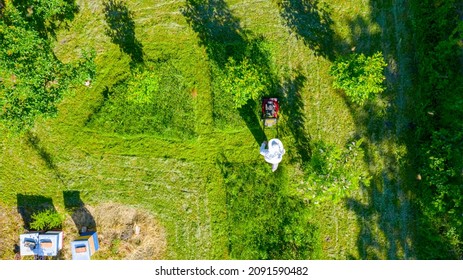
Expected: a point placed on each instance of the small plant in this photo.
(334, 173)
(143, 87)
(46, 220)
(360, 76)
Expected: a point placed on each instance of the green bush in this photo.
(360, 76)
(334, 173)
(46, 220)
(246, 74)
(442, 196)
(243, 81)
(143, 87)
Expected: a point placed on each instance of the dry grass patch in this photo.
(11, 227)
(123, 232)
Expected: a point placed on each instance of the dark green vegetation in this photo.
(360, 76)
(158, 127)
(437, 127)
(33, 80)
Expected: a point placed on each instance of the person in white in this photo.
(274, 153)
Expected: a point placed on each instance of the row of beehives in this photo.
(48, 244)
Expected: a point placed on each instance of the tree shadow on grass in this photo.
(97, 109)
(293, 108)
(384, 209)
(311, 21)
(79, 213)
(218, 30)
(34, 141)
(253, 122)
(222, 35)
(362, 36)
(121, 29)
(223, 38)
(28, 205)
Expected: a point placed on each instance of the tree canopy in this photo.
(360, 76)
(32, 79)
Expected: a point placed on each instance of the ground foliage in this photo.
(333, 174)
(156, 99)
(243, 81)
(47, 220)
(268, 219)
(438, 126)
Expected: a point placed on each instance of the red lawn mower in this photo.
(270, 108)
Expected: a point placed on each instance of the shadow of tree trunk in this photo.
(121, 29)
(253, 122)
(311, 21)
(34, 141)
(79, 213)
(218, 30)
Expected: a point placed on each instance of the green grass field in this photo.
(192, 161)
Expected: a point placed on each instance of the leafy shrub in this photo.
(439, 170)
(360, 76)
(247, 74)
(46, 220)
(243, 81)
(443, 193)
(143, 88)
(333, 173)
(43, 14)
